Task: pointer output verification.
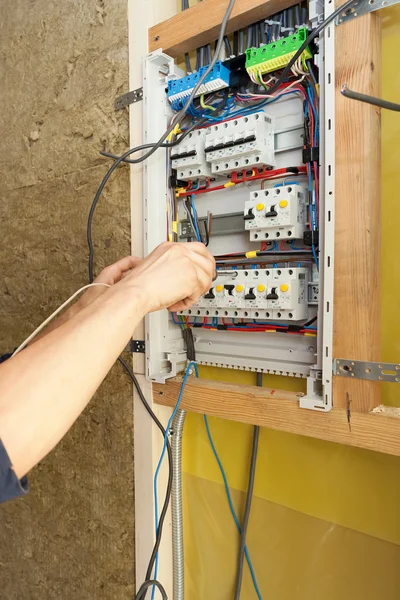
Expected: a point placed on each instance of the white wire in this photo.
(55, 313)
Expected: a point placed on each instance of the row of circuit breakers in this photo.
(278, 294)
(277, 213)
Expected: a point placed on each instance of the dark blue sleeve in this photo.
(4, 357)
(10, 486)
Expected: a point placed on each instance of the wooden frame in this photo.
(279, 410)
(200, 25)
(357, 241)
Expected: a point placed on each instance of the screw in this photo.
(157, 37)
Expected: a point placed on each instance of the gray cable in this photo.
(249, 37)
(228, 48)
(176, 507)
(247, 509)
(297, 16)
(241, 41)
(369, 99)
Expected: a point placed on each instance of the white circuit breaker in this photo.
(189, 159)
(259, 294)
(277, 213)
(241, 143)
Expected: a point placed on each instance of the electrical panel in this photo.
(256, 294)
(241, 143)
(188, 157)
(276, 214)
(253, 180)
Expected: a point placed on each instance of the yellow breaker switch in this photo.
(219, 288)
(260, 207)
(261, 288)
(239, 288)
(284, 287)
(283, 203)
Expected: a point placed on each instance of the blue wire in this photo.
(195, 220)
(167, 429)
(286, 183)
(228, 493)
(315, 256)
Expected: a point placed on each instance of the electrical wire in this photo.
(191, 365)
(158, 144)
(146, 585)
(369, 99)
(55, 313)
(249, 498)
(230, 502)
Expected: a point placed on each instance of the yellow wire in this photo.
(205, 106)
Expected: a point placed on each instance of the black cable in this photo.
(148, 584)
(315, 32)
(369, 99)
(170, 474)
(236, 43)
(247, 509)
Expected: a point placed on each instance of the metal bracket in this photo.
(363, 7)
(373, 371)
(128, 98)
(137, 346)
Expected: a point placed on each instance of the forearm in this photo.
(45, 388)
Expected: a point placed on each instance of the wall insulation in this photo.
(61, 66)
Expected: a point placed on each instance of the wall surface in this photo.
(61, 66)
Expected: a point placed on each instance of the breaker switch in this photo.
(272, 212)
(250, 295)
(210, 294)
(250, 215)
(273, 295)
(230, 289)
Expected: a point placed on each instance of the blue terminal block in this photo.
(218, 79)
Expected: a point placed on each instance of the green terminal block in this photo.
(276, 55)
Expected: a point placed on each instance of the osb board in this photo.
(62, 64)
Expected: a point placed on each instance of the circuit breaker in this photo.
(277, 213)
(258, 294)
(241, 143)
(189, 159)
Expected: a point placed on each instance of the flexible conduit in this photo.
(176, 506)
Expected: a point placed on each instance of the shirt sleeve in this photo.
(10, 486)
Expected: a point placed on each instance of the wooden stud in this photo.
(357, 297)
(200, 24)
(280, 410)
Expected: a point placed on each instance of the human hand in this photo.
(110, 276)
(173, 276)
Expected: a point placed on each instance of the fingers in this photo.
(114, 273)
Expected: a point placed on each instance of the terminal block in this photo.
(276, 55)
(276, 214)
(257, 294)
(218, 79)
(188, 158)
(241, 143)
